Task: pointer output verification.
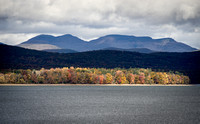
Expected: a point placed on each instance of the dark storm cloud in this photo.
(23, 19)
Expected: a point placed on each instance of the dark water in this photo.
(99, 104)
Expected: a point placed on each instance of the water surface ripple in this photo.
(100, 104)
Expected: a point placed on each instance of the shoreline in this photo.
(98, 84)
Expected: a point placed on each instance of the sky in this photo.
(21, 20)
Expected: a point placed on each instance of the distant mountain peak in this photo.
(118, 35)
(167, 39)
(70, 37)
(68, 41)
(66, 35)
(127, 37)
(43, 36)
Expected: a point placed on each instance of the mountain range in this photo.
(108, 42)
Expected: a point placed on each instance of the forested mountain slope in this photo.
(16, 57)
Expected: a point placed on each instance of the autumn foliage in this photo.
(92, 76)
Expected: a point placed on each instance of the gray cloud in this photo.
(162, 12)
(22, 19)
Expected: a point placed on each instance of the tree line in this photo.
(92, 76)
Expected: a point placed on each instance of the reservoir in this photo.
(100, 104)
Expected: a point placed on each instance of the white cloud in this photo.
(14, 39)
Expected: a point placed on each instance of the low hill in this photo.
(140, 50)
(60, 50)
(15, 58)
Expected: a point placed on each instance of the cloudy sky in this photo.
(89, 19)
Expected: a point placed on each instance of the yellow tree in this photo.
(130, 78)
(186, 80)
(2, 78)
(120, 77)
(109, 78)
(164, 78)
(13, 78)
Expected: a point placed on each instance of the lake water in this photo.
(100, 104)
